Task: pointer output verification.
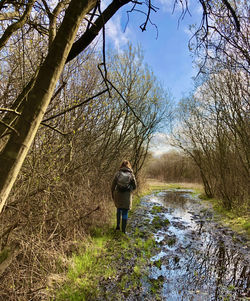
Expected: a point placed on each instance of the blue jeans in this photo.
(122, 211)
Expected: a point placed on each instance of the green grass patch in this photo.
(85, 268)
(101, 258)
(159, 185)
(246, 226)
(237, 220)
(171, 241)
(159, 222)
(156, 209)
(156, 285)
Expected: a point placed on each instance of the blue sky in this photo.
(167, 55)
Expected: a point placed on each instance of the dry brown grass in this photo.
(160, 183)
(49, 227)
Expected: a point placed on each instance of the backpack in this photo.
(123, 181)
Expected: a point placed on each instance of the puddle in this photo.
(198, 259)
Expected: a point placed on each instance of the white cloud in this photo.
(171, 6)
(116, 34)
(160, 144)
(168, 5)
(104, 4)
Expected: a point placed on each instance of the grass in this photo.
(156, 209)
(86, 267)
(156, 185)
(171, 242)
(159, 185)
(158, 222)
(100, 259)
(237, 221)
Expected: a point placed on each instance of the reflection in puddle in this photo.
(198, 259)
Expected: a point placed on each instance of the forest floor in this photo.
(175, 249)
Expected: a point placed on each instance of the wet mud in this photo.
(196, 259)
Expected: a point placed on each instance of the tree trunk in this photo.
(18, 105)
(16, 149)
(207, 188)
(94, 30)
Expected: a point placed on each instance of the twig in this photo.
(144, 25)
(103, 52)
(17, 25)
(10, 110)
(87, 214)
(75, 221)
(127, 104)
(55, 95)
(232, 11)
(91, 18)
(76, 106)
(54, 129)
(104, 77)
(9, 127)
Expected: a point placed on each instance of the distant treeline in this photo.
(173, 167)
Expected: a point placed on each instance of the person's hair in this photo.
(127, 164)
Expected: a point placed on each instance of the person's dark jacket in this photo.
(123, 199)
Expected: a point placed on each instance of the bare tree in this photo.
(223, 35)
(215, 132)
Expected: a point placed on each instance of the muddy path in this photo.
(196, 258)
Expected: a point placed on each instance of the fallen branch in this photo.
(75, 221)
(11, 254)
(7, 232)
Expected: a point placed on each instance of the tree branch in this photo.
(9, 110)
(18, 104)
(232, 11)
(127, 104)
(9, 127)
(76, 106)
(93, 31)
(15, 26)
(54, 129)
(76, 221)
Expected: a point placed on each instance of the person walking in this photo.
(122, 186)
